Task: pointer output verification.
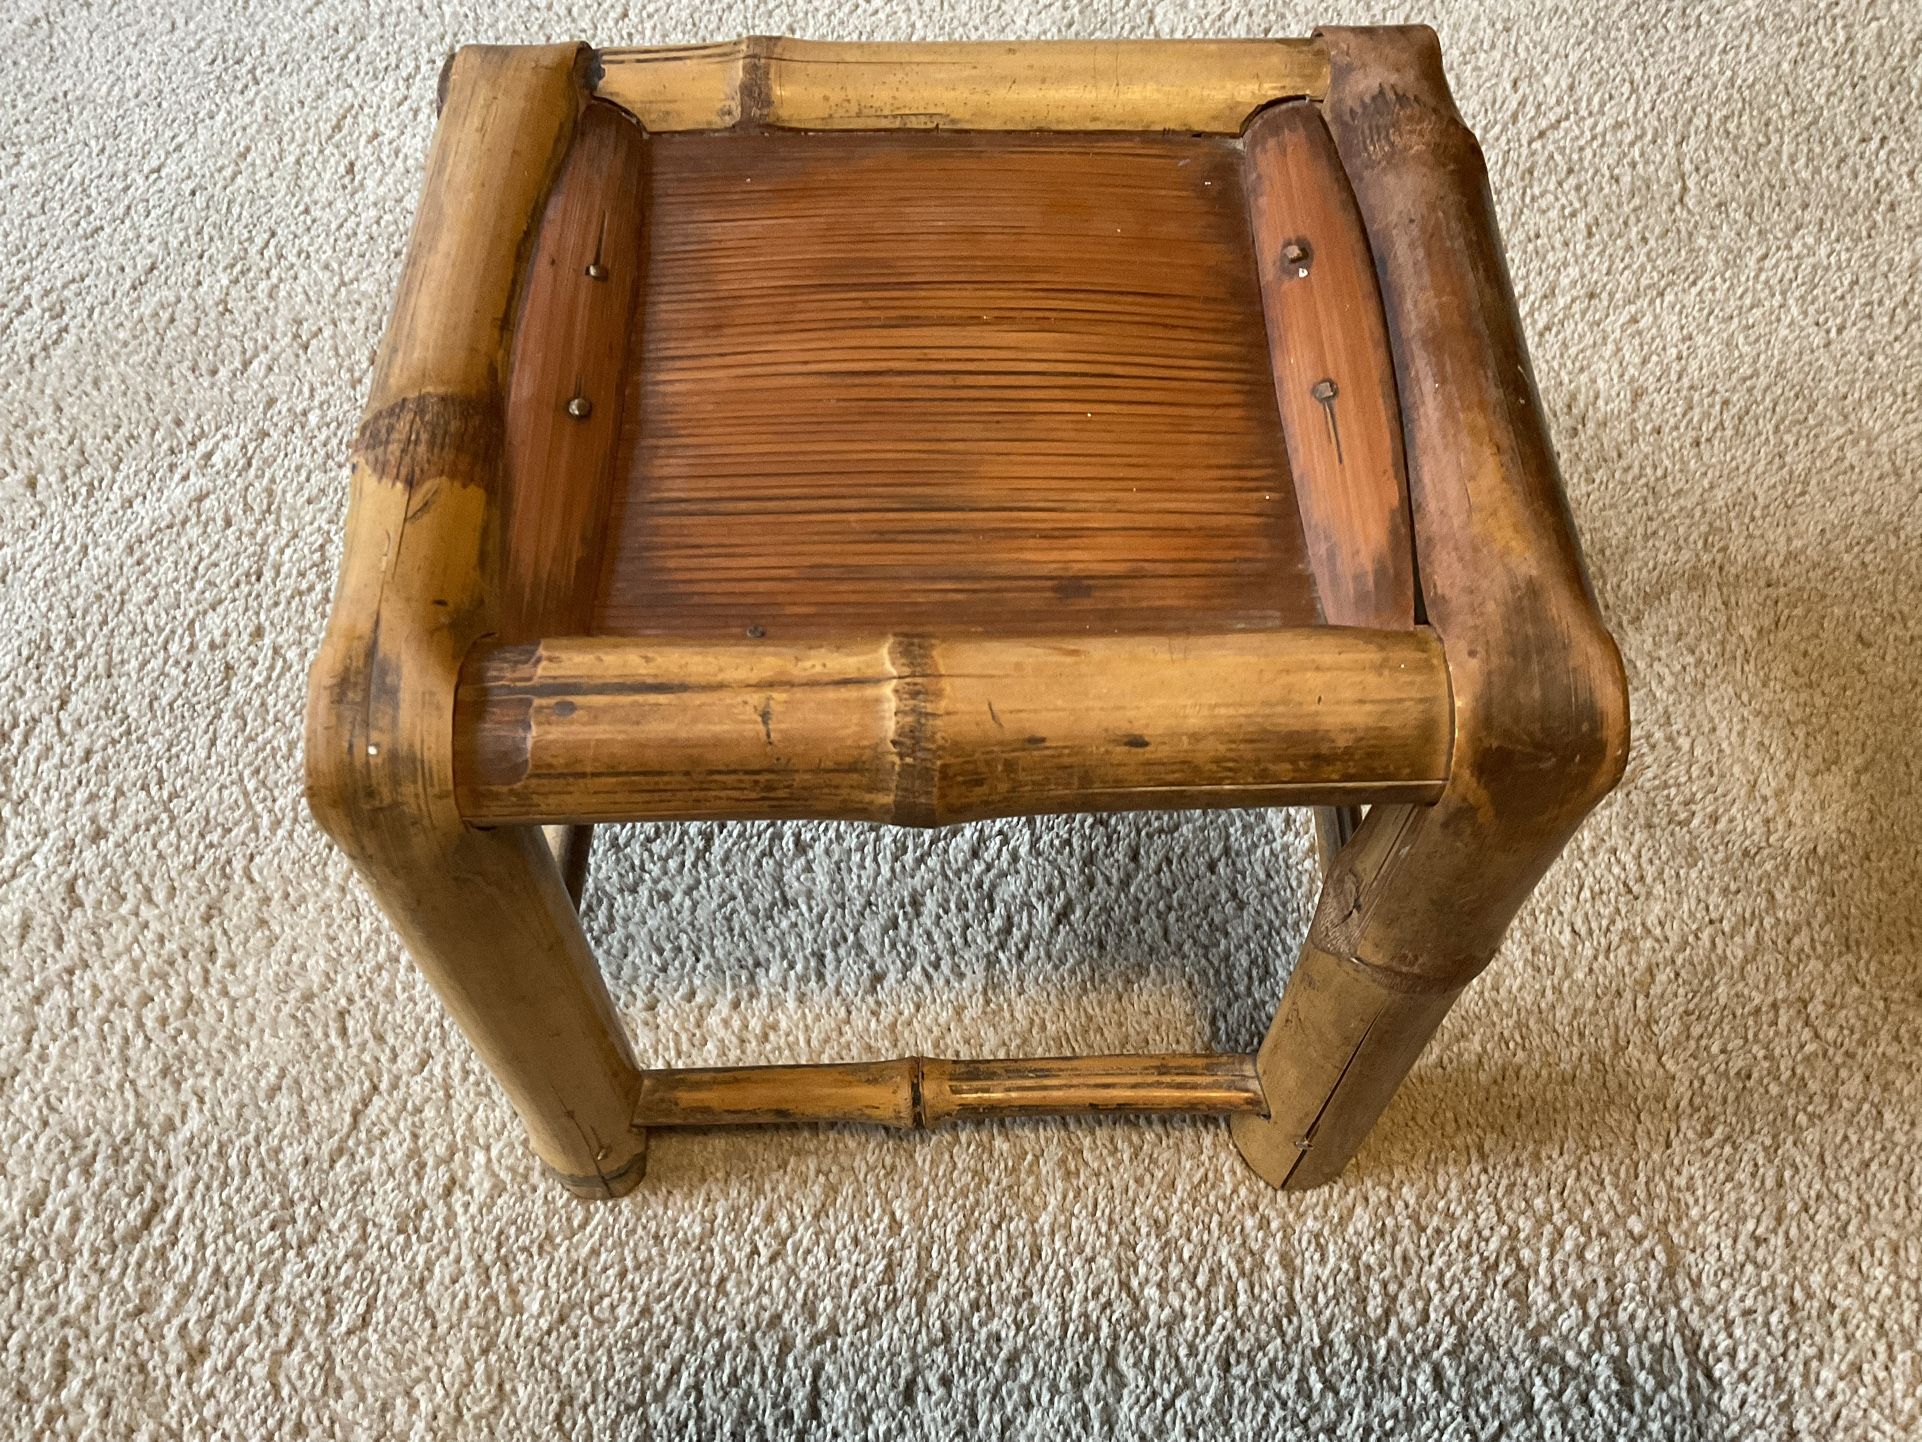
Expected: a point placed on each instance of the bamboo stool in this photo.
(922, 433)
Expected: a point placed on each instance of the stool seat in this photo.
(917, 381)
(922, 434)
(941, 383)
(949, 475)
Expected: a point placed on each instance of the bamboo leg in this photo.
(1348, 1029)
(1411, 911)
(571, 845)
(1334, 828)
(1337, 1050)
(485, 913)
(494, 931)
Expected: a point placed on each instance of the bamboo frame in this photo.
(920, 1093)
(1197, 86)
(486, 914)
(449, 705)
(928, 732)
(1416, 903)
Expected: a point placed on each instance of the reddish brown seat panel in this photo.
(946, 383)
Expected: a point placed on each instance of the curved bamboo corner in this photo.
(1418, 900)
(485, 913)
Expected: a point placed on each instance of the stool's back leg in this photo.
(1334, 827)
(571, 846)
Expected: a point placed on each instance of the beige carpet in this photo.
(1657, 1178)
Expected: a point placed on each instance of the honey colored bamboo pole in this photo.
(923, 732)
(917, 1093)
(1088, 1085)
(1193, 86)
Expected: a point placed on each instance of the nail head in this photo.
(580, 408)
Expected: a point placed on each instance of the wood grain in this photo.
(922, 1092)
(566, 373)
(1334, 377)
(1334, 383)
(940, 383)
(923, 732)
(1075, 85)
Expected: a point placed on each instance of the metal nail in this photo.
(596, 270)
(580, 408)
(1298, 254)
(1325, 391)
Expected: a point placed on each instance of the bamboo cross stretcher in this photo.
(920, 1093)
(924, 434)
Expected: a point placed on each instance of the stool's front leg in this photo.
(1417, 901)
(1400, 930)
(489, 922)
(485, 913)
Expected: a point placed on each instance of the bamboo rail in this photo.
(922, 731)
(1207, 86)
(919, 1093)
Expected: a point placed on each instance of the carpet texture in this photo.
(1660, 1175)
